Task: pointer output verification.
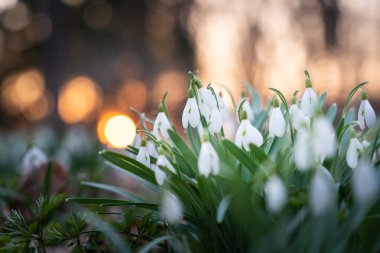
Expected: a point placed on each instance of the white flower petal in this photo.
(194, 118)
(33, 159)
(186, 114)
(151, 149)
(208, 160)
(253, 136)
(164, 162)
(143, 156)
(361, 113)
(303, 153)
(323, 138)
(160, 175)
(171, 209)
(309, 102)
(246, 107)
(321, 194)
(275, 194)
(277, 124)
(365, 183)
(216, 121)
(370, 115)
(353, 151)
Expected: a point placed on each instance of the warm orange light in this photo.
(38, 110)
(175, 82)
(116, 130)
(132, 94)
(79, 100)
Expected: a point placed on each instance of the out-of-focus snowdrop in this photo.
(44, 137)
(137, 141)
(191, 112)
(171, 208)
(365, 183)
(206, 101)
(300, 122)
(277, 124)
(161, 125)
(247, 134)
(309, 100)
(366, 114)
(143, 154)
(245, 104)
(208, 161)
(355, 148)
(151, 149)
(321, 194)
(275, 194)
(216, 121)
(162, 161)
(312, 146)
(33, 159)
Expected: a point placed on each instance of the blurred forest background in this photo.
(68, 62)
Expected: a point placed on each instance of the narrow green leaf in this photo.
(322, 99)
(182, 147)
(112, 202)
(113, 189)
(149, 246)
(240, 155)
(331, 113)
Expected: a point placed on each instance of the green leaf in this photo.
(130, 164)
(240, 155)
(149, 246)
(322, 99)
(112, 202)
(182, 147)
(331, 113)
(113, 189)
(223, 207)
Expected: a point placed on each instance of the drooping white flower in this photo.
(275, 194)
(366, 114)
(151, 149)
(191, 112)
(355, 148)
(321, 195)
(309, 100)
(208, 161)
(216, 121)
(143, 154)
(246, 107)
(206, 102)
(277, 124)
(171, 208)
(163, 162)
(33, 159)
(161, 126)
(300, 122)
(247, 134)
(303, 151)
(160, 175)
(365, 183)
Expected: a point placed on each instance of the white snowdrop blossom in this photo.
(171, 208)
(206, 102)
(277, 124)
(216, 121)
(365, 183)
(248, 134)
(355, 148)
(366, 114)
(162, 161)
(309, 102)
(151, 149)
(208, 161)
(143, 155)
(191, 112)
(246, 107)
(33, 159)
(275, 194)
(312, 146)
(161, 126)
(321, 195)
(299, 120)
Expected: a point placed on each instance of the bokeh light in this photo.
(132, 94)
(115, 129)
(79, 100)
(16, 18)
(175, 82)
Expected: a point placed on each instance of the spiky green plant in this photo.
(291, 192)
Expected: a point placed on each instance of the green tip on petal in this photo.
(206, 136)
(160, 150)
(243, 94)
(307, 80)
(143, 143)
(293, 100)
(352, 132)
(363, 94)
(243, 115)
(161, 107)
(190, 93)
(275, 102)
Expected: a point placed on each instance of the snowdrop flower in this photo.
(171, 209)
(208, 161)
(299, 120)
(33, 159)
(246, 107)
(309, 99)
(366, 114)
(191, 112)
(275, 194)
(162, 161)
(143, 155)
(277, 124)
(355, 148)
(206, 101)
(215, 121)
(161, 125)
(247, 134)
(313, 145)
(365, 183)
(321, 195)
(151, 149)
